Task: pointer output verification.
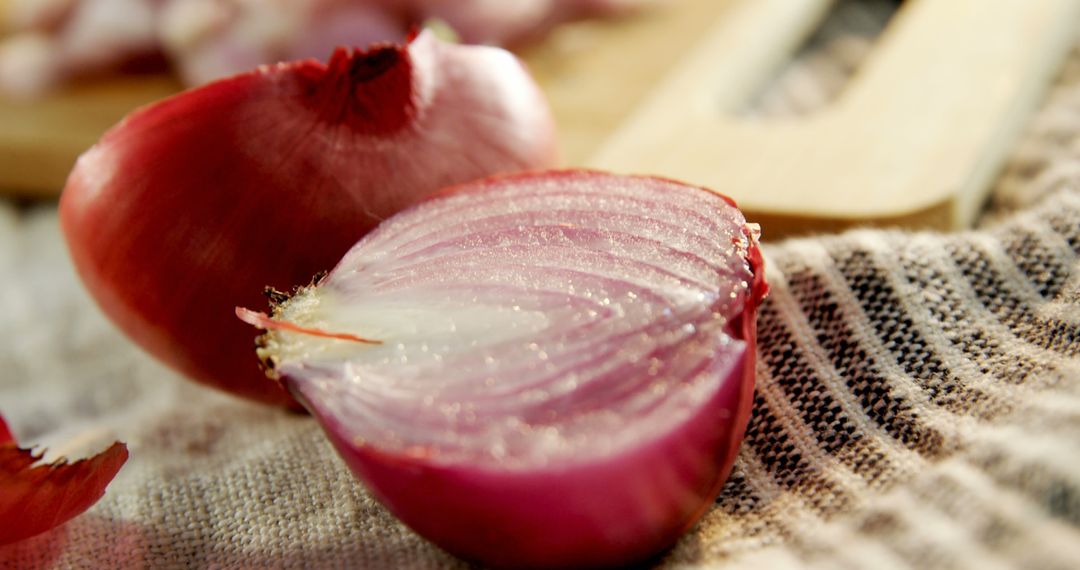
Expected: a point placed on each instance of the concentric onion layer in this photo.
(526, 321)
(566, 364)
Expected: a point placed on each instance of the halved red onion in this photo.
(565, 369)
(35, 498)
(191, 206)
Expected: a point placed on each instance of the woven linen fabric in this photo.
(917, 406)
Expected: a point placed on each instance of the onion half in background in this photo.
(563, 367)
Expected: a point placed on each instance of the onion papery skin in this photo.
(191, 206)
(35, 497)
(566, 369)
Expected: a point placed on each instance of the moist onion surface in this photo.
(565, 330)
(527, 322)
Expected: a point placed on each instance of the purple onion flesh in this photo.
(564, 367)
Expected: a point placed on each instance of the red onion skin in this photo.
(610, 512)
(35, 497)
(191, 206)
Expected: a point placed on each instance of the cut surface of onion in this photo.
(564, 369)
(193, 205)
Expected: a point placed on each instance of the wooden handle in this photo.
(915, 139)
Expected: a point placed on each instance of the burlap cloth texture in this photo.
(918, 400)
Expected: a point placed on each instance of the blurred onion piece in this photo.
(36, 497)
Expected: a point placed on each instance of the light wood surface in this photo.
(595, 73)
(914, 140)
(5, 15)
(40, 140)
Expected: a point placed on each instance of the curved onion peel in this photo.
(35, 498)
(192, 205)
(566, 368)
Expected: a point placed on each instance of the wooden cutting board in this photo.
(593, 72)
(914, 140)
(40, 140)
